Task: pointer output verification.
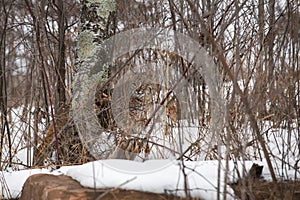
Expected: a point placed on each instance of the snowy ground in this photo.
(159, 176)
(154, 176)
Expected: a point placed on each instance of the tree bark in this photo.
(61, 69)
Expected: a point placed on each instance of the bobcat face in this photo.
(143, 102)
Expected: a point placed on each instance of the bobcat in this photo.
(141, 107)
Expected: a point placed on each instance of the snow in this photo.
(158, 176)
(21, 127)
(162, 176)
(12, 182)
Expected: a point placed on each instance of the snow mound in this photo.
(158, 176)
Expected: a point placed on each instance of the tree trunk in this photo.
(3, 86)
(97, 23)
(61, 69)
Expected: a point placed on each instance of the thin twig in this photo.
(243, 96)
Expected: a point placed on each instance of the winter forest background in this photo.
(255, 45)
